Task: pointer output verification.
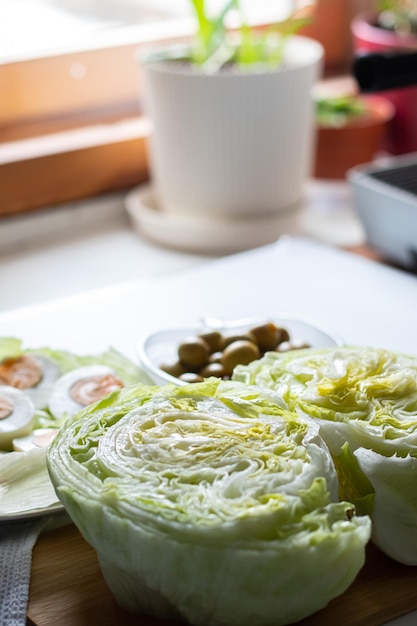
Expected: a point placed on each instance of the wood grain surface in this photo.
(68, 589)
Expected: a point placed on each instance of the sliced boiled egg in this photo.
(38, 438)
(81, 387)
(17, 413)
(33, 374)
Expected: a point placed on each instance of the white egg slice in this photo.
(40, 393)
(81, 387)
(38, 438)
(17, 414)
(34, 374)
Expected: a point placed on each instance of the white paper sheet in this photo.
(365, 302)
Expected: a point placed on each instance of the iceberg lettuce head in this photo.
(210, 503)
(365, 403)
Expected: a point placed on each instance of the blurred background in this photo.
(73, 132)
(70, 91)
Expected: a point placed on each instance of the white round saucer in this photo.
(210, 235)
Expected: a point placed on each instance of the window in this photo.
(71, 124)
(70, 119)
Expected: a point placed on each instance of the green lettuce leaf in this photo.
(129, 372)
(10, 347)
(367, 398)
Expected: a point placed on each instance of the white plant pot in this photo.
(236, 142)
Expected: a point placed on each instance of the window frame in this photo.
(78, 134)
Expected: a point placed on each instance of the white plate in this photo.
(161, 347)
(26, 490)
(210, 235)
(32, 513)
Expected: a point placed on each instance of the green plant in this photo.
(337, 110)
(215, 44)
(398, 15)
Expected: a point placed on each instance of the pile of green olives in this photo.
(213, 353)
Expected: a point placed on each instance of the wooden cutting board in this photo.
(68, 589)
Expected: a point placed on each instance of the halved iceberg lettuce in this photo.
(365, 402)
(210, 503)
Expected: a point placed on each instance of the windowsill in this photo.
(66, 166)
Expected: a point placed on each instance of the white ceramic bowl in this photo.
(161, 347)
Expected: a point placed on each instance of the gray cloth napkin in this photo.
(16, 544)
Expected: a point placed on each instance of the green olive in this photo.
(174, 369)
(213, 339)
(228, 339)
(284, 335)
(240, 352)
(212, 353)
(216, 357)
(213, 369)
(191, 377)
(193, 352)
(266, 336)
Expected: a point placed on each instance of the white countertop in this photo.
(91, 244)
(75, 248)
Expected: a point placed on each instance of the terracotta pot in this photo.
(330, 26)
(357, 142)
(401, 137)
